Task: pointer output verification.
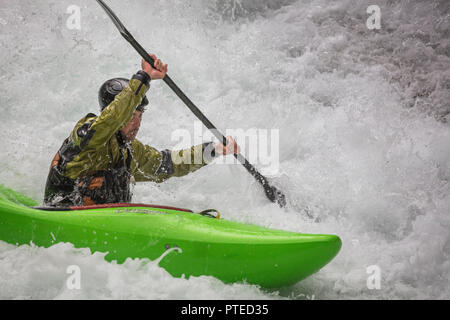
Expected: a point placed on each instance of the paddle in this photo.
(272, 193)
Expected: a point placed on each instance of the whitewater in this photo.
(363, 121)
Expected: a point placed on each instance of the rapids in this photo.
(362, 116)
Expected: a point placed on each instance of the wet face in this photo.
(131, 129)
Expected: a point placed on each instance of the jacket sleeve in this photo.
(114, 117)
(150, 164)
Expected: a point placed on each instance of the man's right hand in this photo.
(158, 72)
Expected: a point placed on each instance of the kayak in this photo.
(190, 243)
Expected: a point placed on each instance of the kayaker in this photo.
(101, 158)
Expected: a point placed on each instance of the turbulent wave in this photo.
(362, 116)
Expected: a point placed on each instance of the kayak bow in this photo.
(229, 251)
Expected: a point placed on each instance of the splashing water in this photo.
(362, 117)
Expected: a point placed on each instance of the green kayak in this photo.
(229, 251)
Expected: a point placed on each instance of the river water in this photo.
(361, 118)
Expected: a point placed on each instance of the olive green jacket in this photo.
(93, 146)
(100, 149)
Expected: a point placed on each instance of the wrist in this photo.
(143, 76)
(209, 151)
(148, 74)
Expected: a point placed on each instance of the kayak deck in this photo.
(229, 251)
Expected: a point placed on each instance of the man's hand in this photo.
(158, 72)
(232, 147)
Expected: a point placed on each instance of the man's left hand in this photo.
(158, 72)
(231, 147)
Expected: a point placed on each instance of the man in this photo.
(101, 158)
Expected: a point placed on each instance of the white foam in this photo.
(362, 154)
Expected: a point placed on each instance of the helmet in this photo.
(113, 87)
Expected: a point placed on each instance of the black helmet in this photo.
(111, 88)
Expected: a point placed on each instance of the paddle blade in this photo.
(275, 195)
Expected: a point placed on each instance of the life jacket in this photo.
(105, 186)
